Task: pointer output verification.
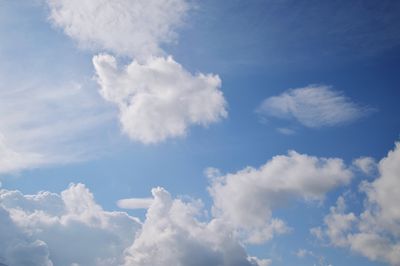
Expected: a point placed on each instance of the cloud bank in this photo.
(313, 106)
(72, 229)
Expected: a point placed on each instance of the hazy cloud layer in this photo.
(375, 232)
(159, 99)
(313, 106)
(43, 125)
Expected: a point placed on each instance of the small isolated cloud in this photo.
(159, 99)
(375, 233)
(367, 165)
(131, 28)
(259, 191)
(135, 203)
(313, 106)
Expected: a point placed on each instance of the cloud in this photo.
(259, 191)
(53, 229)
(46, 124)
(132, 28)
(159, 99)
(171, 235)
(313, 106)
(135, 203)
(375, 232)
(70, 228)
(367, 165)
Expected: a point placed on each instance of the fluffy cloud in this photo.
(52, 229)
(313, 106)
(171, 235)
(375, 232)
(132, 28)
(258, 191)
(70, 228)
(159, 99)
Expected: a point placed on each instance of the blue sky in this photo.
(104, 101)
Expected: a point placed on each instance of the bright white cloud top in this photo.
(159, 99)
(257, 192)
(132, 28)
(375, 232)
(313, 106)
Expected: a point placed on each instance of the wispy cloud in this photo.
(314, 106)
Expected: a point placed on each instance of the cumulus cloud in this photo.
(259, 191)
(132, 28)
(313, 106)
(374, 233)
(67, 229)
(70, 228)
(171, 235)
(159, 99)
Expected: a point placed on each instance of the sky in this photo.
(186, 132)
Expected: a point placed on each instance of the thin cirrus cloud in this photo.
(50, 126)
(313, 106)
(374, 233)
(157, 98)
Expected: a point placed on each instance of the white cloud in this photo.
(171, 235)
(159, 99)
(375, 233)
(42, 125)
(367, 165)
(52, 229)
(70, 228)
(259, 191)
(313, 106)
(135, 203)
(132, 28)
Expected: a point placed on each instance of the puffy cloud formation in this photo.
(159, 99)
(67, 229)
(49, 229)
(171, 235)
(132, 28)
(375, 233)
(156, 96)
(313, 106)
(258, 191)
(367, 165)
